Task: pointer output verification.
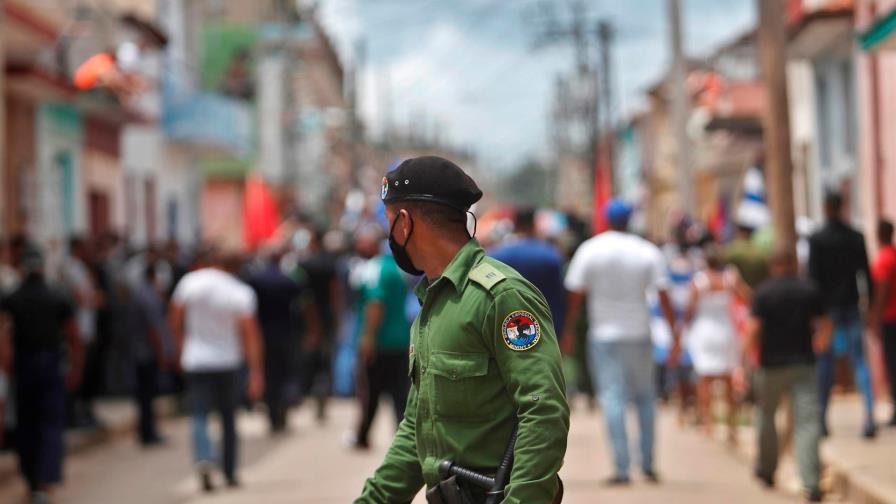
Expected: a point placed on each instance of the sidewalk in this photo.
(118, 415)
(855, 470)
(311, 465)
(861, 470)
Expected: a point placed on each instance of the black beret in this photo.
(433, 179)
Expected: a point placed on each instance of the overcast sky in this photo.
(471, 65)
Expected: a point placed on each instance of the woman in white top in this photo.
(712, 336)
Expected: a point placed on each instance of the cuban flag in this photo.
(525, 329)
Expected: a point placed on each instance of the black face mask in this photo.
(400, 252)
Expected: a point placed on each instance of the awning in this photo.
(822, 31)
(879, 37)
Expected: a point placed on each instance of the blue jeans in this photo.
(218, 390)
(849, 341)
(624, 373)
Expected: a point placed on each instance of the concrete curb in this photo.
(852, 483)
(845, 481)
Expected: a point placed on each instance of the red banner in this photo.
(261, 217)
(603, 190)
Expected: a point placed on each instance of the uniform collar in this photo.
(457, 271)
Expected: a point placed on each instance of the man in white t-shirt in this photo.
(215, 331)
(615, 271)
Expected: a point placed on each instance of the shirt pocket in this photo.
(458, 379)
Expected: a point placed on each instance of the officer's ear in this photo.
(405, 223)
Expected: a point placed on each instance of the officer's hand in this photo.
(256, 386)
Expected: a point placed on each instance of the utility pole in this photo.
(605, 39)
(779, 165)
(385, 108)
(3, 222)
(605, 43)
(679, 100)
(560, 121)
(355, 134)
(585, 80)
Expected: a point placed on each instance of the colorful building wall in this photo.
(876, 78)
(876, 68)
(18, 164)
(58, 192)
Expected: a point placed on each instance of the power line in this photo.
(582, 33)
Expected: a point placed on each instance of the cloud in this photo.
(468, 65)
(342, 19)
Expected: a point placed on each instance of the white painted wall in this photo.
(178, 184)
(804, 138)
(147, 156)
(271, 85)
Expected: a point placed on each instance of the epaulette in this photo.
(486, 275)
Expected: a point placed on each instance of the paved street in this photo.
(311, 466)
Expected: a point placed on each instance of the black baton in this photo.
(494, 487)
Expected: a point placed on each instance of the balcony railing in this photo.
(206, 119)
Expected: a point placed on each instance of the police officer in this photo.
(483, 355)
(41, 320)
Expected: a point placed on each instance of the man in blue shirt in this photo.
(538, 261)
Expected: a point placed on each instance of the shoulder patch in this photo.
(486, 275)
(520, 330)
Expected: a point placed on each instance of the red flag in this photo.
(261, 217)
(603, 191)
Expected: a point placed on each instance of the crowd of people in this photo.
(329, 312)
(212, 327)
(755, 320)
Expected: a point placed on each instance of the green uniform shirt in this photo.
(383, 282)
(483, 356)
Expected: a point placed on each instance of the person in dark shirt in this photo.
(322, 270)
(383, 333)
(284, 314)
(538, 261)
(789, 326)
(41, 321)
(152, 350)
(837, 260)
